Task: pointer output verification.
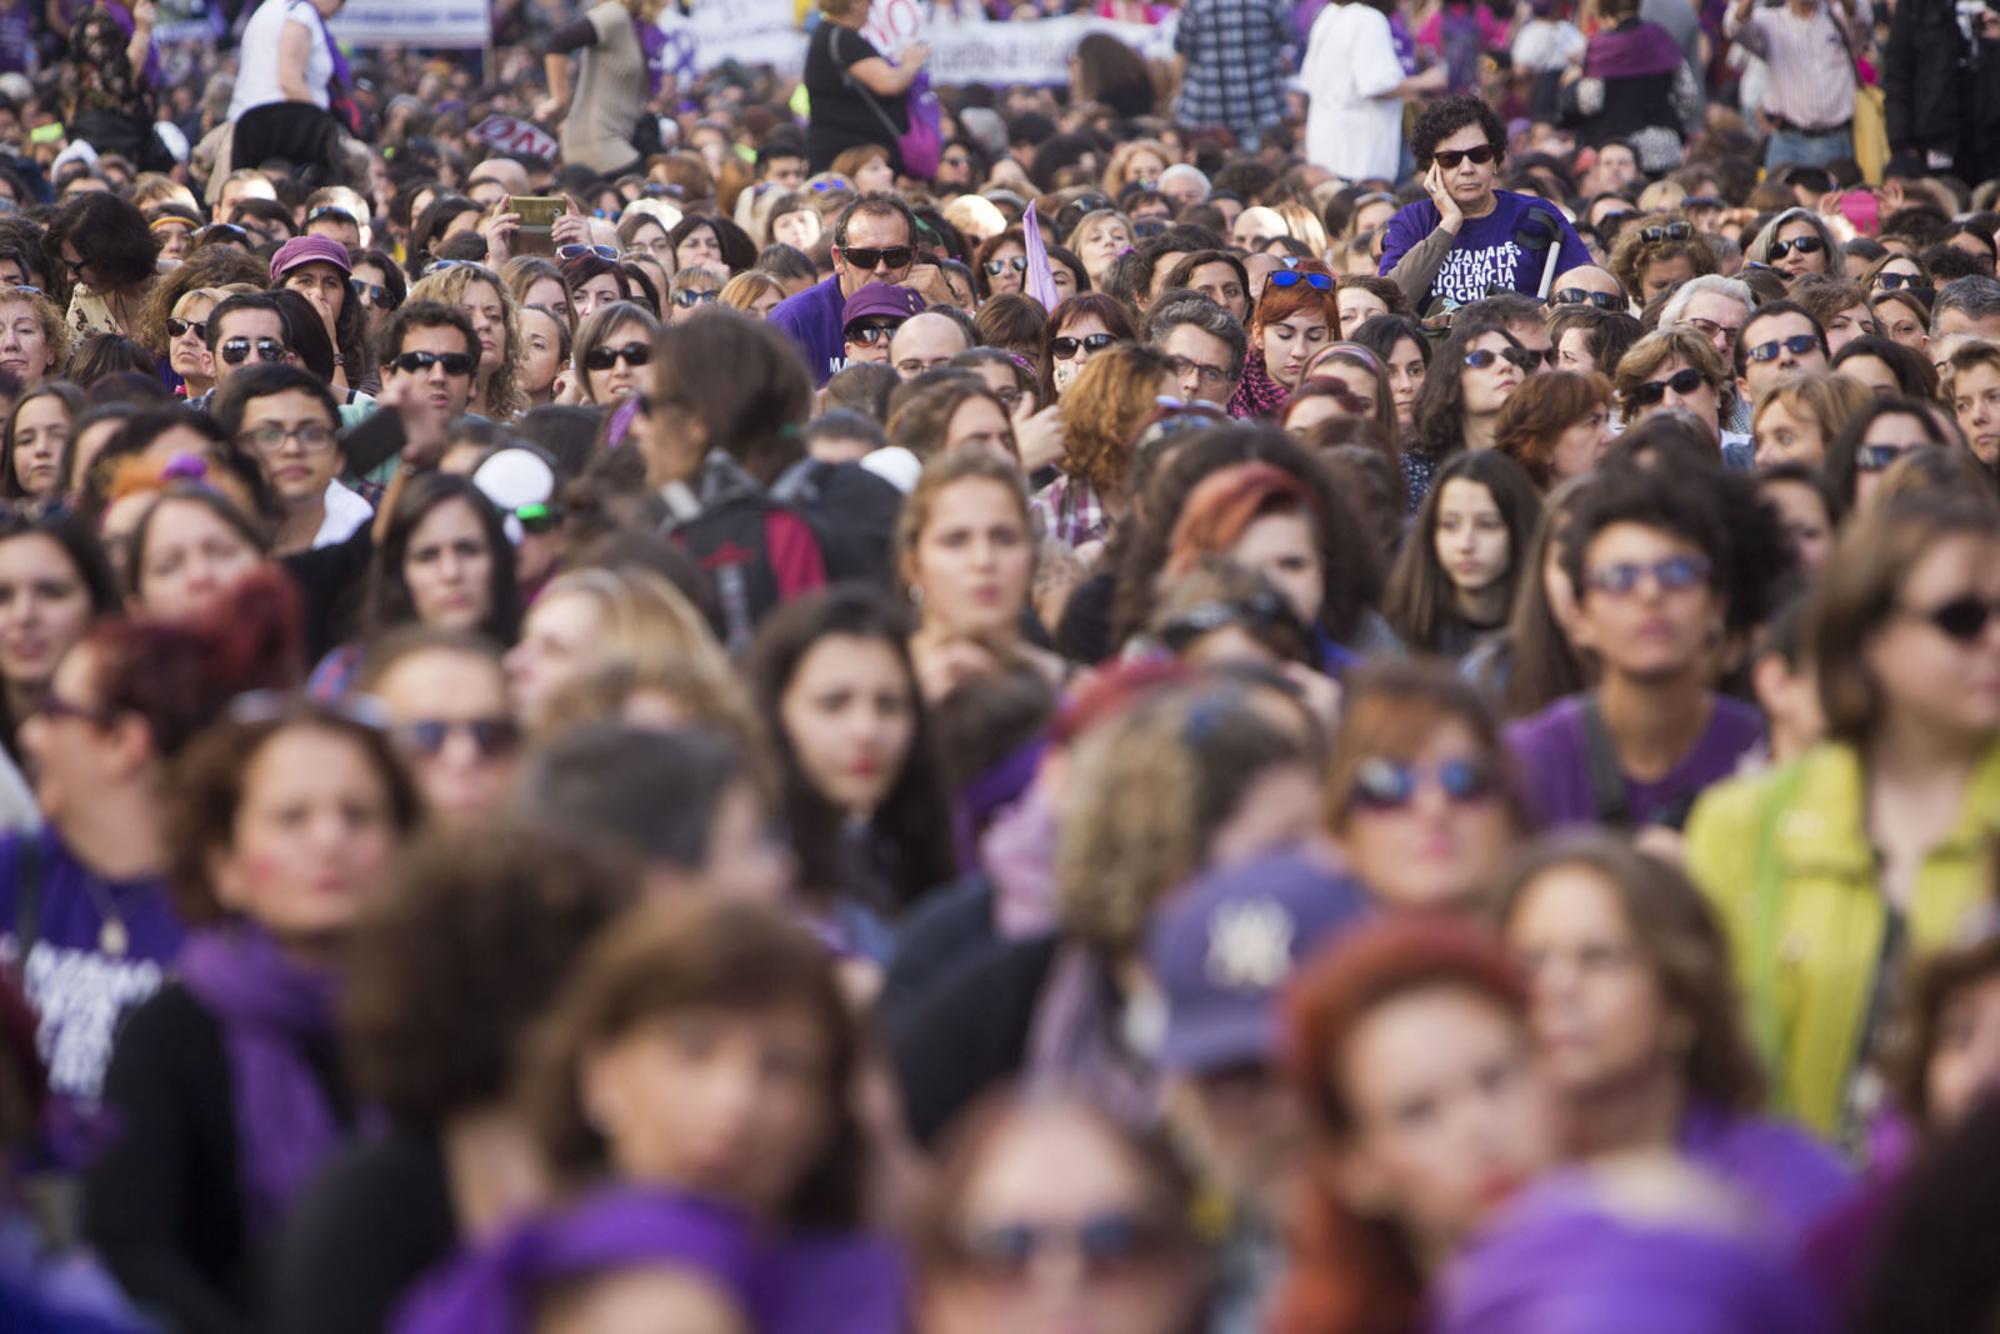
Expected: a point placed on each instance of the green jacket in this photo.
(1784, 857)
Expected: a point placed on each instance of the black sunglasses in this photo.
(1480, 358)
(1962, 620)
(1891, 282)
(867, 335)
(455, 363)
(177, 328)
(1449, 158)
(1578, 296)
(236, 351)
(1798, 345)
(874, 257)
(1672, 231)
(1066, 347)
(491, 737)
(632, 354)
(1805, 245)
(1683, 382)
(688, 297)
(373, 293)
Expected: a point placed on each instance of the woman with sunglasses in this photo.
(1472, 376)
(1796, 242)
(1297, 316)
(613, 349)
(112, 261)
(1001, 265)
(187, 341)
(1678, 371)
(1658, 252)
(1874, 439)
(496, 321)
(696, 288)
(228, 1084)
(1905, 316)
(1455, 579)
(1077, 330)
(1874, 849)
(1896, 272)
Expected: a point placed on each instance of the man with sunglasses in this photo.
(244, 330)
(873, 242)
(1782, 336)
(1468, 239)
(1649, 563)
(429, 350)
(1588, 285)
(287, 421)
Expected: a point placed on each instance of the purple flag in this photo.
(1041, 278)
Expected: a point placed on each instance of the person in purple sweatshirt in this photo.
(1635, 1013)
(873, 242)
(1648, 556)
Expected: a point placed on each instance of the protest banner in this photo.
(442, 24)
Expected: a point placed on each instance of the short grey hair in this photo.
(1735, 289)
(1974, 295)
(1206, 316)
(1182, 171)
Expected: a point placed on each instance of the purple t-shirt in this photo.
(1552, 755)
(1796, 1182)
(79, 991)
(812, 320)
(1488, 251)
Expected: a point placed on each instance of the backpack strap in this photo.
(1608, 792)
(862, 90)
(27, 894)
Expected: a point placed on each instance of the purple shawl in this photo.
(987, 796)
(1258, 396)
(493, 1290)
(269, 1008)
(1632, 50)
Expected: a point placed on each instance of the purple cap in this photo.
(881, 299)
(1223, 948)
(313, 249)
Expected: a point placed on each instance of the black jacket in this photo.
(1921, 77)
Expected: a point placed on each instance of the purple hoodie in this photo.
(812, 319)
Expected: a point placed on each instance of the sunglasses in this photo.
(411, 363)
(577, 250)
(632, 354)
(1480, 358)
(1699, 203)
(1672, 231)
(178, 328)
(236, 351)
(373, 293)
(1683, 382)
(1798, 345)
(1804, 245)
(868, 335)
(1676, 574)
(1963, 620)
(689, 298)
(1449, 158)
(874, 257)
(1263, 610)
(1103, 1245)
(1319, 282)
(1877, 458)
(1386, 785)
(1066, 347)
(447, 265)
(1147, 228)
(221, 231)
(53, 706)
(1577, 296)
(491, 737)
(1892, 282)
(996, 267)
(831, 183)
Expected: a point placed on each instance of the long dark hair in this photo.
(1438, 431)
(1421, 594)
(389, 602)
(912, 827)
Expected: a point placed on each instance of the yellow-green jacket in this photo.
(1785, 858)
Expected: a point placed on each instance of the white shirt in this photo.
(1351, 128)
(1811, 70)
(257, 80)
(346, 511)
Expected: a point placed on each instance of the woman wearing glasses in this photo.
(111, 257)
(1874, 849)
(695, 289)
(1077, 330)
(1795, 242)
(1896, 272)
(1657, 253)
(1001, 266)
(187, 340)
(1458, 408)
(1678, 371)
(1296, 317)
(1875, 438)
(613, 349)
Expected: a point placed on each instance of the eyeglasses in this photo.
(1066, 347)
(1264, 610)
(690, 297)
(1963, 620)
(632, 354)
(1104, 1245)
(236, 351)
(455, 363)
(1183, 367)
(313, 437)
(1798, 345)
(1449, 158)
(53, 706)
(179, 328)
(1579, 296)
(1319, 282)
(867, 335)
(542, 517)
(577, 250)
(1891, 282)
(874, 257)
(1388, 785)
(373, 293)
(1672, 231)
(427, 738)
(1683, 382)
(1877, 458)
(1804, 245)
(1709, 329)
(996, 267)
(75, 267)
(1480, 358)
(1675, 574)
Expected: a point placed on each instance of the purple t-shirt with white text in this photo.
(1488, 251)
(812, 320)
(1552, 755)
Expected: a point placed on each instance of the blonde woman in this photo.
(1140, 161)
(1098, 239)
(33, 342)
(478, 291)
(754, 293)
(187, 339)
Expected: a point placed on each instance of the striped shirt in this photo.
(1811, 84)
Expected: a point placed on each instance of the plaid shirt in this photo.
(1070, 511)
(1236, 67)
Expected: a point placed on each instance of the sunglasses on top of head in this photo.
(1319, 282)
(1672, 231)
(577, 250)
(1449, 158)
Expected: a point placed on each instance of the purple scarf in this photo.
(494, 1290)
(1632, 50)
(986, 796)
(269, 1008)
(1258, 396)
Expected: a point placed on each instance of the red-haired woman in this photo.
(1410, 1047)
(1296, 317)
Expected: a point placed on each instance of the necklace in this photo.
(112, 937)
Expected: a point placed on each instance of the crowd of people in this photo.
(1345, 685)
